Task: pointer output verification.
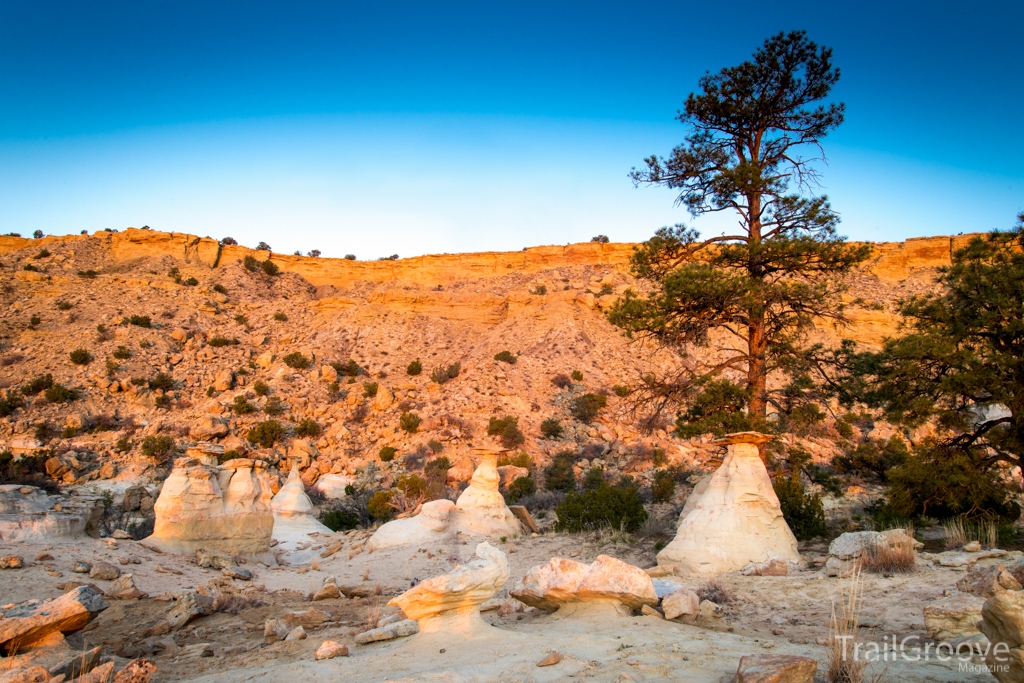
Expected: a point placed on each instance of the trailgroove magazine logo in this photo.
(910, 649)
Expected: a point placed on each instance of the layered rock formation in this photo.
(224, 508)
(1003, 625)
(24, 625)
(607, 580)
(451, 602)
(28, 513)
(294, 520)
(431, 525)
(732, 518)
(481, 508)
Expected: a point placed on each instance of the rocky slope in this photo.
(218, 328)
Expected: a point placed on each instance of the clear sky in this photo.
(381, 127)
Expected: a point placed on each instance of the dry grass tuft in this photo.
(897, 557)
(842, 666)
(960, 530)
(715, 592)
(373, 615)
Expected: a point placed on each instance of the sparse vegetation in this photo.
(620, 390)
(349, 369)
(138, 321)
(162, 381)
(81, 357)
(617, 507)
(586, 407)
(379, 506)
(122, 353)
(559, 475)
(37, 385)
(242, 407)
(505, 357)
(280, 317)
(664, 486)
(551, 428)
(520, 488)
(387, 453)
(260, 387)
(270, 269)
(414, 368)
(64, 305)
(443, 374)
(562, 381)
(370, 389)
(265, 434)
(409, 422)
(803, 512)
(507, 430)
(577, 376)
(297, 361)
(58, 393)
(274, 406)
(159, 447)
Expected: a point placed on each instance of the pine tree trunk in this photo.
(757, 343)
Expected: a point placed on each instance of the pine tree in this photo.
(763, 287)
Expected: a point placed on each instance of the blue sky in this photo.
(377, 128)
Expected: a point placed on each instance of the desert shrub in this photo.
(174, 274)
(414, 368)
(551, 428)
(162, 401)
(30, 267)
(308, 428)
(87, 274)
(122, 353)
(577, 376)
(412, 485)
(505, 357)
(270, 268)
(9, 403)
(443, 374)
(162, 381)
(561, 381)
(37, 385)
(339, 519)
(897, 557)
(620, 390)
(540, 290)
(607, 506)
(600, 239)
(435, 446)
(559, 475)
(586, 407)
(874, 457)
(714, 591)
(64, 305)
(804, 512)
(242, 407)
(437, 469)
(219, 342)
(664, 486)
(190, 282)
(251, 263)
(387, 453)
(266, 433)
(379, 506)
(370, 389)
(520, 488)
(274, 406)
(349, 369)
(594, 479)
(140, 321)
(58, 393)
(34, 321)
(43, 253)
(139, 381)
(280, 317)
(520, 459)
(160, 447)
(844, 429)
(296, 360)
(81, 357)
(507, 430)
(261, 388)
(410, 422)
(241, 319)
(220, 289)
(349, 257)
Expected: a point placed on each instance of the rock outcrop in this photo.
(224, 508)
(429, 526)
(294, 521)
(952, 617)
(1003, 625)
(23, 625)
(607, 580)
(451, 602)
(845, 551)
(28, 513)
(733, 518)
(481, 508)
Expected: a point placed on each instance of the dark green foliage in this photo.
(58, 393)
(379, 507)
(349, 257)
(64, 305)
(9, 403)
(664, 486)
(266, 433)
(520, 488)
(784, 267)
(606, 506)
(162, 401)
(594, 479)
(263, 246)
(139, 321)
(242, 407)
(123, 445)
(844, 429)
(586, 407)
(28, 470)
(370, 389)
(339, 519)
(220, 289)
(122, 353)
(505, 357)
(139, 381)
(30, 267)
(577, 376)
(270, 268)
(551, 428)
(81, 357)
(280, 317)
(87, 274)
(260, 387)
(803, 512)
(437, 469)
(411, 485)
(296, 360)
(410, 422)
(874, 457)
(162, 381)
(241, 319)
(349, 369)
(445, 374)
(218, 342)
(308, 427)
(520, 459)
(415, 368)
(562, 381)
(228, 241)
(559, 475)
(190, 282)
(43, 253)
(34, 321)
(38, 384)
(251, 263)
(620, 390)
(387, 453)
(435, 446)
(160, 447)
(719, 408)
(507, 430)
(600, 239)
(273, 406)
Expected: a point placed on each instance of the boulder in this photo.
(734, 520)
(207, 427)
(987, 581)
(430, 526)
(294, 520)
(953, 617)
(460, 471)
(224, 508)
(769, 568)
(328, 373)
(681, 603)
(265, 359)
(330, 649)
(765, 668)
(845, 551)
(398, 629)
(1003, 625)
(562, 581)
(189, 605)
(302, 453)
(451, 602)
(25, 445)
(481, 508)
(509, 473)
(328, 591)
(333, 485)
(25, 624)
(383, 399)
(28, 513)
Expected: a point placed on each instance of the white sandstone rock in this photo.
(481, 508)
(562, 581)
(294, 521)
(734, 520)
(333, 485)
(429, 526)
(28, 513)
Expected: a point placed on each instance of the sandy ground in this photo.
(766, 614)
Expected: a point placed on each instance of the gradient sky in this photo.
(382, 127)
